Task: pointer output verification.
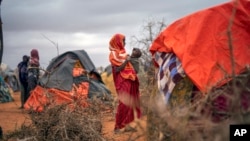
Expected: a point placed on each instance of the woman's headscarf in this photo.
(34, 57)
(118, 56)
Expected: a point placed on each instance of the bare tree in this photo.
(150, 30)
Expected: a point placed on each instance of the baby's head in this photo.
(136, 53)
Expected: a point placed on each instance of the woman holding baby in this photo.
(126, 84)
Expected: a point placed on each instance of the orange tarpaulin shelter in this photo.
(42, 97)
(71, 78)
(202, 43)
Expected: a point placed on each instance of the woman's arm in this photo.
(121, 67)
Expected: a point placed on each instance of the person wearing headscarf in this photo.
(126, 84)
(33, 70)
(34, 58)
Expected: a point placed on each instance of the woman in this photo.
(33, 70)
(126, 84)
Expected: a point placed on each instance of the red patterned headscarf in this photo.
(34, 58)
(118, 56)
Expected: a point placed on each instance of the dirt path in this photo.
(11, 118)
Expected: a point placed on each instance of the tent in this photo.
(212, 46)
(69, 78)
(10, 77)
(8, 81)
(5, 95)
(202, 42)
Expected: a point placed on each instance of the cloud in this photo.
(79, 24)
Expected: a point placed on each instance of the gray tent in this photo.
(5, 95)
(59, 74)
(10, 77)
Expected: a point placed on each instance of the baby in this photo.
(134, 60)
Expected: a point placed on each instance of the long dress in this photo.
(128, 95)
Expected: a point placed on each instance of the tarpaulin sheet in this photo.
(41, 98)
(201, 41)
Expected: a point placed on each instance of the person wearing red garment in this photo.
(126, 84)
(33, 70)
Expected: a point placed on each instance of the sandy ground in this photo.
(11, 118)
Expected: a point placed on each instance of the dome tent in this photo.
(10, 77)
(70, 76)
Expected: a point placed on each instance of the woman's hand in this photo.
(119, 68)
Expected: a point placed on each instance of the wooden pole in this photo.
(1, 36)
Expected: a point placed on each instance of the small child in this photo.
(133, 59)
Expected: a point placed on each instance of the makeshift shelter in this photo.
(198, 56)
(5, 95)
(202, 42)
(70, 78)
(10, 77)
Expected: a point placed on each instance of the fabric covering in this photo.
(201, 42)
(41, 98)
(10, 77)
(5, 95)
(220, 105)
(34, 58)
(118, 56)
(107, 78)
(169, 74)
(129, 103)
(68, 80)
(61, 69)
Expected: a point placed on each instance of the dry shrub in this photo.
(202, 120)
(63, 123)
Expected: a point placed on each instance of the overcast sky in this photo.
(82, 24)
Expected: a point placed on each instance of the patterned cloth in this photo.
(118, 56)
(182, 94)
(33, 72)
(169, 74)
(34, 58)
(5, 95)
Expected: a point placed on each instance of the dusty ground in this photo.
(11, 118)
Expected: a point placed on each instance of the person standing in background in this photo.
(23, 78)
(33, 70)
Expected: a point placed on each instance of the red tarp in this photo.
(41, 97)
(200, 40)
